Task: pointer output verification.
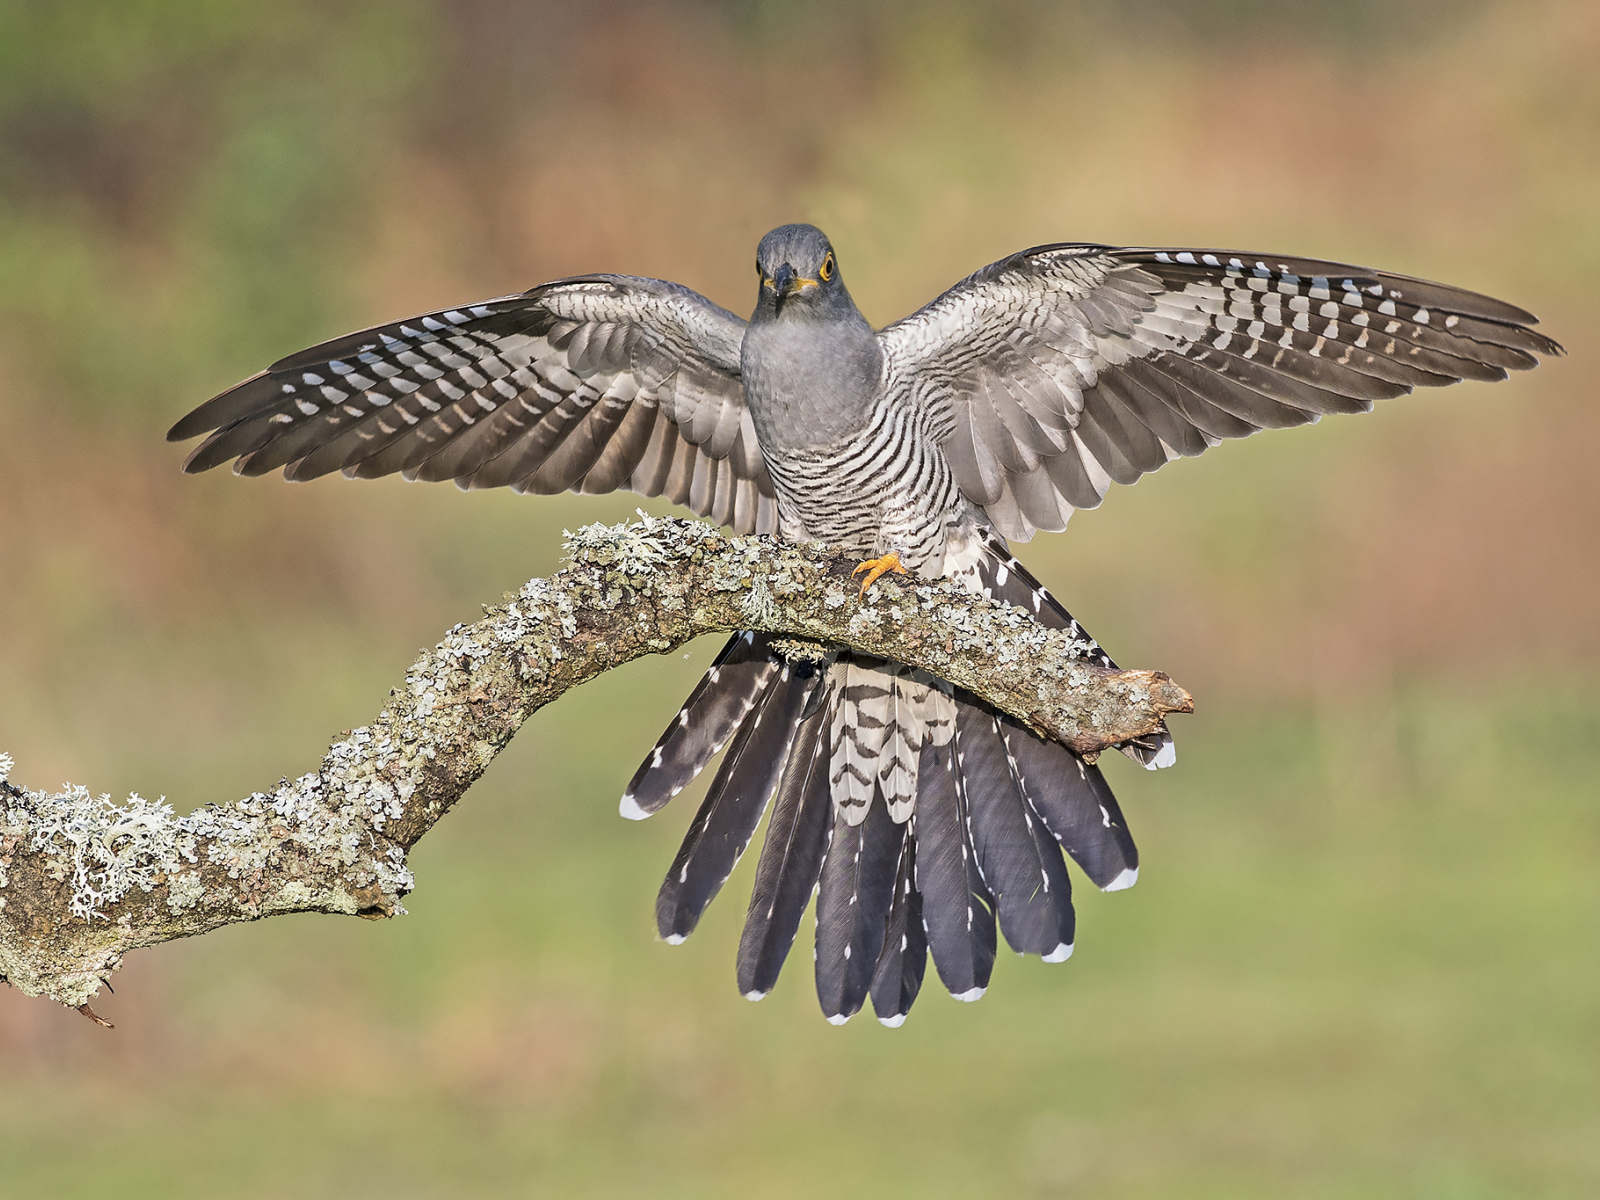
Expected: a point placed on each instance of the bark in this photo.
(83, 881)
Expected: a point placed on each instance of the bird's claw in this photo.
(875, 567)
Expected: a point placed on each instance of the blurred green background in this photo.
(1362, 959)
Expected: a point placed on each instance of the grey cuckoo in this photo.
(919, 817)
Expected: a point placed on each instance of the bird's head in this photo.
(798, 273)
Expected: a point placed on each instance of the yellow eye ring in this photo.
(827, 268)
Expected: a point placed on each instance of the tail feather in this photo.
(903, 961)
(735, 801)
(865, 693)
(708, 718)
(924, 712)
(1075, 803)
(923, 821)
(902, 743)
(791, 857)
(854, 896)
(957, 908)
(1020, 862)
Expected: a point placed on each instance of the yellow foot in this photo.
(875, 567)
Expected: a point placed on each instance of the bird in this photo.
(922, 819)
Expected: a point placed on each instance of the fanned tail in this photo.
(923, 820)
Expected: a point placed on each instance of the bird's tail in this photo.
(919, 816)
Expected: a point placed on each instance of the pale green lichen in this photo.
(758, 604)
(184, 890)
(105, 850)
(802, 649)
(636, 549)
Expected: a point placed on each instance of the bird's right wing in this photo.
(1064, 368)
(594, 384)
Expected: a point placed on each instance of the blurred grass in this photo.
(1360, 961)
(1343, 974)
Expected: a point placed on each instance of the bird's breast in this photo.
(808, 385)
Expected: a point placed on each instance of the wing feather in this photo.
(525, 391)
(1143, 355)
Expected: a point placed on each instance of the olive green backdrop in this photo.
(1364, 955)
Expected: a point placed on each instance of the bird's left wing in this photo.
(594, 384)
(1064, 368)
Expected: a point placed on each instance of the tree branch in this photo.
(83, 881)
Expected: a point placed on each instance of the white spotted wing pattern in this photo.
(595, 383)
(1062, 369)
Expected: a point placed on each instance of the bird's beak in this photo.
(786, 281)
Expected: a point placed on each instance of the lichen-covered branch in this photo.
(83, 880)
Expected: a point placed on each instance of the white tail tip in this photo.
(838, 1018)
(630, 808)
(1124, 881)
(1165, 757)
(893, 1022)
(754, 996)
(676, 939)
(1060, 954)
(968, 996)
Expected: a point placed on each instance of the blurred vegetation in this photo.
(1361, 960)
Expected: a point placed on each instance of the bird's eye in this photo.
(827, 268)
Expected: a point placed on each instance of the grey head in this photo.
(810, 362)
(799, 277)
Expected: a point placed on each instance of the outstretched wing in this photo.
(1064, 368)
(594, 384)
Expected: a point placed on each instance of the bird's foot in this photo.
(876, 567)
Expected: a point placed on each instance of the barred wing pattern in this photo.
(1064, 368)
(594, 383)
